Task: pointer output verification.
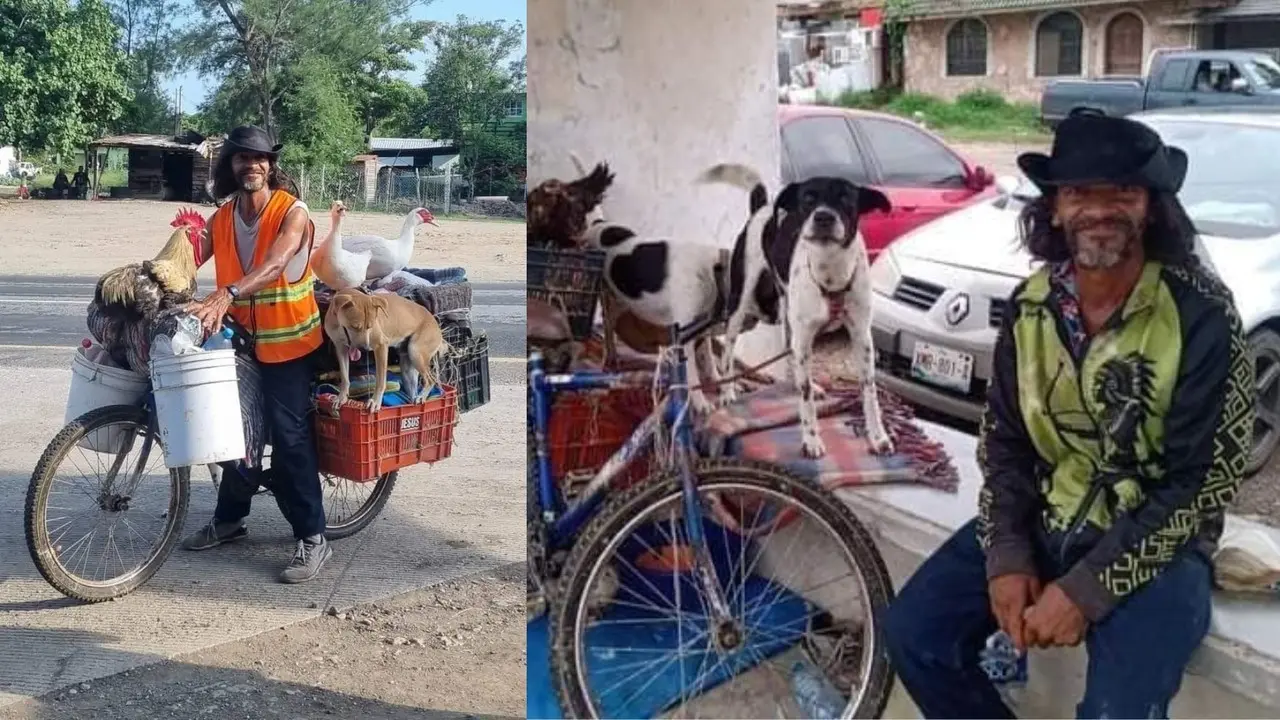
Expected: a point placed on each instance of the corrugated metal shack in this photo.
(160, 167)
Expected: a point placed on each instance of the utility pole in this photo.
(177, 121)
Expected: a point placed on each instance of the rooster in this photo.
(128, 300)
(559, 212)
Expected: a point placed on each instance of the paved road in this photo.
(48, 312)
(456, 517)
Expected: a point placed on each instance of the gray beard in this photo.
(252, 185)
(1093, 255)
(1101, 257)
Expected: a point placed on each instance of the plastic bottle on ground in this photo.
(220, 340)
(816, 696)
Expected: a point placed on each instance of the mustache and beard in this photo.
(1101, 243)
(250, 180)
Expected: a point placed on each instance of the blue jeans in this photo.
(1137, 654)
(295, 472)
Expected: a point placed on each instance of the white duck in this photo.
(334, 263)
(389, 256)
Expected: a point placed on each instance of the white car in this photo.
(940, 290)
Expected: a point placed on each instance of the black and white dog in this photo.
(663, 282)
(802, 261)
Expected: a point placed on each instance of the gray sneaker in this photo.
(214, 534)
(307, 560)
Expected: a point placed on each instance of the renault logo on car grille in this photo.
(958, 309)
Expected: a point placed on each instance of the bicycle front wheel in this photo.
(102, 511)
(633, 636)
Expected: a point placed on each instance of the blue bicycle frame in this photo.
(563, 524)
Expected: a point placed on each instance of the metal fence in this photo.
(391, 190)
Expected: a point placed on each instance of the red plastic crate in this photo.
(363, 447)
(586, 428)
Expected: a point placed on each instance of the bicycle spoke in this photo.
(788, 570)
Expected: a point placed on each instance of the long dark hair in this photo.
(225, 184)
(1169, 237)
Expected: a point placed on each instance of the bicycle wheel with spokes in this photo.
(349, 506)
(101, 496)
(633, 635)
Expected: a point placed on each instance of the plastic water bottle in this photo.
(816, 696)
(220, 340)
(95, 353)
(1005, 666)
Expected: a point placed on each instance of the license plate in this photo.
(942, 367)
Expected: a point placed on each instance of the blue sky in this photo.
(195, 88)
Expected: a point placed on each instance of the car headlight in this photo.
(885, 273)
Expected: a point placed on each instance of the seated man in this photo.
(60, 184)
(1118, 425)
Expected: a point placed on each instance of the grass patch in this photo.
(975, 115)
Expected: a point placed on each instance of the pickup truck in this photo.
(1201, 78)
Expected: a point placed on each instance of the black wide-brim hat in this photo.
(1093, 149)
(250, 139)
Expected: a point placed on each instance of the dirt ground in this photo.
(77, 237)
(459, 646)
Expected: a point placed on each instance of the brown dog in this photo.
(357, 320)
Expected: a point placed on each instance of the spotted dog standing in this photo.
(802, 261)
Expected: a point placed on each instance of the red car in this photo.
(923, 177)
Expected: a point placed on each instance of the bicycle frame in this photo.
(563, 523)
(672, 412)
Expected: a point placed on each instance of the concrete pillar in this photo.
(661, 90)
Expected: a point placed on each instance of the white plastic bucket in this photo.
(198, 407)
(94, 386)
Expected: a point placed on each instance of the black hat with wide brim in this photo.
(1093, 149)
(250, 139)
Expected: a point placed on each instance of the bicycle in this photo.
(591, 539)
(113, 431)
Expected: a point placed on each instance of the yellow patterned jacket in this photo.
(1118, 450)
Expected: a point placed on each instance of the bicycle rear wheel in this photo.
(131, 497)
(631, 636)
(349, 506)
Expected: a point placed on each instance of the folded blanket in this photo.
(764, 425)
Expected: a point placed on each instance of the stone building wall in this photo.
(1011, 48)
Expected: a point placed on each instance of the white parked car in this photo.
(940, 290)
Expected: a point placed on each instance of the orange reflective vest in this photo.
(283, 317)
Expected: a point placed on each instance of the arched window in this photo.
(1059, 45)
(1123, 54)
(967, 48)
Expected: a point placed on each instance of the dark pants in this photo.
(1137, 654)
(295, 475)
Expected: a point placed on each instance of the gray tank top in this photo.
(247, 241)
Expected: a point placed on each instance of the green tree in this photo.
(147, 41)
(62, 78)
(395, 108)
(493, 158)
(320, 123)
(263, 47)
(469, 79)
